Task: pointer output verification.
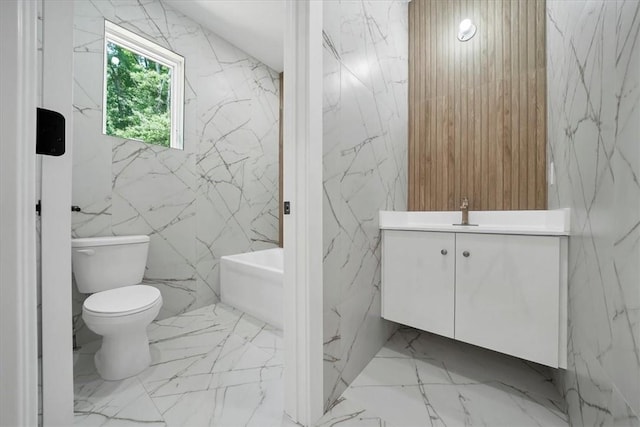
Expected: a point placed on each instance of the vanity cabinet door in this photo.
(418, 279)
(507, 294)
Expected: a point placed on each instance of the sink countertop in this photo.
(534, 222)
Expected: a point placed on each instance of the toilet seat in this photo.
(122, 301)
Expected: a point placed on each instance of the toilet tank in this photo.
(103, 263)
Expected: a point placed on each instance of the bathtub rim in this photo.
(239, 259)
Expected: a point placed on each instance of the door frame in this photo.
(18, 285)
(303, 330)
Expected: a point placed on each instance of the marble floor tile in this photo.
(442, 405)
(466, 363)
(345, 413)
(213, 317)
(214, 366)
(270, 341)
(99, 402)
(420, 379)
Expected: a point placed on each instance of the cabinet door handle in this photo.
(444, 252)
(466, 254)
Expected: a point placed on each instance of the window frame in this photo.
(139, 45)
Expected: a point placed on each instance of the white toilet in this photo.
(119, 309)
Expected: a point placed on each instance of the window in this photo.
(143, 89)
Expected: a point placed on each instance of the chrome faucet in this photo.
(464, 207)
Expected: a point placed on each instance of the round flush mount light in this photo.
(466, 30)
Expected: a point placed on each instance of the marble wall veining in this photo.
(218, 196)
(594, 121)
(364, 171)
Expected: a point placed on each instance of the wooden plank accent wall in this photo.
(477, 109)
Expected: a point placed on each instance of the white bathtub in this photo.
(252, 282)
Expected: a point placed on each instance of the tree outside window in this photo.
(140, 85)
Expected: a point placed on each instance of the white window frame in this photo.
(115, 34)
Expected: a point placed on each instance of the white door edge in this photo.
(57, 95)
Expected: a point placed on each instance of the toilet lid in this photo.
(122, 301)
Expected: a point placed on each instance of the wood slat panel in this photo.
(523, 94)
(432, 90)
(411, 120)
(496, 126)
(508, 108)
(477, 109)
(492, 142)
(515, 105)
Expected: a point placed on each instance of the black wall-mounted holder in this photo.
(50, 133)
(74, 208)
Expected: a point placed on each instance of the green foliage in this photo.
(138, 97)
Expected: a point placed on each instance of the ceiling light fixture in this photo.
(466, 30)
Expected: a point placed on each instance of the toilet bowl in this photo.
(121, 316)
(119, 308)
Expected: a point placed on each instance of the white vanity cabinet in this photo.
(508, 294)
(502, 288)
(418, 274)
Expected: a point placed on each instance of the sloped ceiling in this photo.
(255, 26)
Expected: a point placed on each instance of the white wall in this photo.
(218, 196)
(365, 170)
(594, 121)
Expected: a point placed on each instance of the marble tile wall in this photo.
(594, 122)
(365, 170)
(218, 196)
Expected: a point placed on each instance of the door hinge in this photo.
(39, 208)
(287, 208)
